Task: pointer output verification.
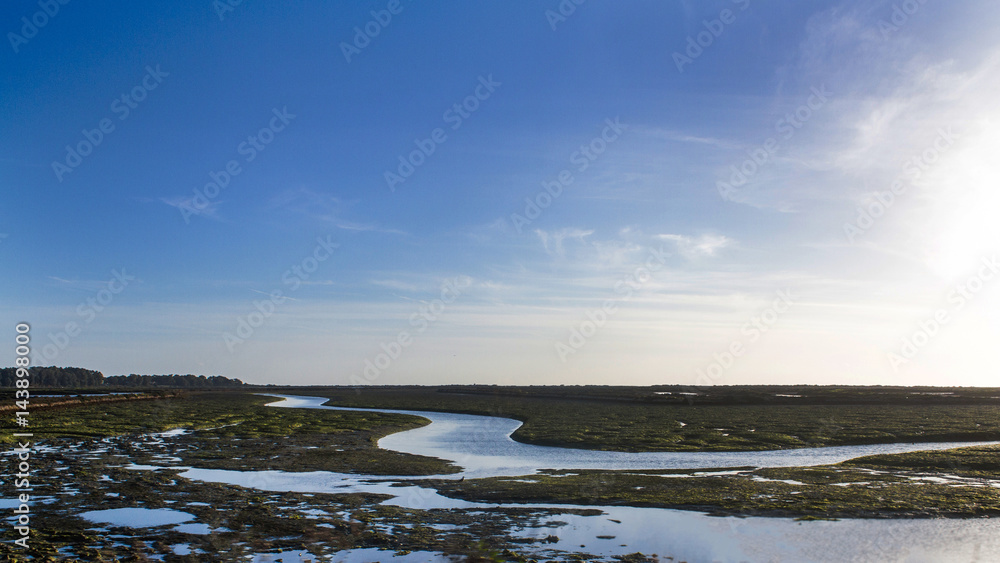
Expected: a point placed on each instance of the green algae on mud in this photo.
(237, 431)
(72, 476)
(637, 419)
(973, 461)
(583, 418)
(886, 488)
(240, 522)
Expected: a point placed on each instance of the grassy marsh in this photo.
(893, 486)
(234, 430)
(638, 419)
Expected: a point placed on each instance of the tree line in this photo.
(53, 376)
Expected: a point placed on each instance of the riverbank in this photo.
(675, 418)
(887, 487)
(236, 430)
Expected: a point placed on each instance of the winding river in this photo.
(482, 446)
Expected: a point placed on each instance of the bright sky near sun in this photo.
(517, 192)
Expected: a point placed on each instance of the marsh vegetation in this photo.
(91, 451)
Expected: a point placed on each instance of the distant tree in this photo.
(73, 377)
(53, 376)
(188, 381)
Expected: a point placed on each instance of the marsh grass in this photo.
(235, 430)
(836, 491)
(628, 424)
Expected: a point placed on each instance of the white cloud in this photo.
(681, 137)
(553, 241)
(326, 208)
(696, 247)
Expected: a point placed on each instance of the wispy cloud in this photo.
(326, 208)
(284, 296)
(698, 247)
(80, 284)
(681, 137)
(553, 241)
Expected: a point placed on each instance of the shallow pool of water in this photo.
(697, 537)
(137, 517)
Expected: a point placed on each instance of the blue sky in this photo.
(668, 255)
